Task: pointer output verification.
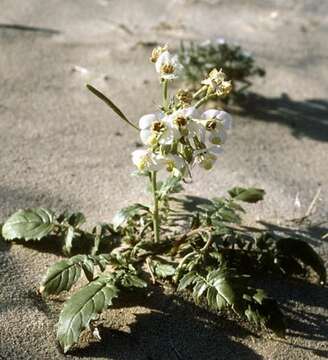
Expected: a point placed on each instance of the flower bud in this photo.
(157, 52)
(184, 96)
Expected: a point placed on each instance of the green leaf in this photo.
(199, 289)
(65, 273)
(83, 307)
(163, 270)
(102, 233)
(69, 240)
(30, 224)
(250, 195)
(88, 268)
(62, 275)
(264, 310)
(211, 298)
(76, 219)
(171, 185)
(107, 101)
(102, 260)
(223, 284)
(187, 280)
(132, 280)
(301, 250)
(126, 213)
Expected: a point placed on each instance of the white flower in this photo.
(155, 128)
(184, 121)
(207, 157)
(168, 66)
(173, 163)
(217, 123)
(145, 160)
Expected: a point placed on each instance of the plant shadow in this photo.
(20, 27)
(313, 234)
(305, 118)
(173, 329)
(300, 302)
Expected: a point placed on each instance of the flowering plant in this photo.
(239, 66)
(206, 250)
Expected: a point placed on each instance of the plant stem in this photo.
(201, 90)
(204, 100)
(155, 211)
(165, 95)
(208, 243)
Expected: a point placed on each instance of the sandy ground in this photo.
(61, 148)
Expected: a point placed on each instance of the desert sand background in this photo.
(62, 148)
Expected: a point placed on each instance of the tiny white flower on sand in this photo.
(155, 128)
(145, 160)
(217, 123)
(168, 66)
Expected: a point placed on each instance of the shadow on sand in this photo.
(175, 329)
(19, 27)
(305, 118)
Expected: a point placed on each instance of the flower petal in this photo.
(146, 121)
(145, 136)
(210, 114)
(164, 58)
(137, 155)
(226, 119)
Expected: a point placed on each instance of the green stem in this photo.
(201, 90)
(205, 99)
(155, 211)
(165, 95)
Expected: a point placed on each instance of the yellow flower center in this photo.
(158, 126)
(181, 121)
(167, 69)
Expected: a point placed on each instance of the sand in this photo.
(62, 148)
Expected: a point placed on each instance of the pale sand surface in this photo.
(62, 148)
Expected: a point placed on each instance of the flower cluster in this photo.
(178, 136)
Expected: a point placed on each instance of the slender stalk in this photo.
(165, 95)
(155, 210)
(201, 90)
(205, 99)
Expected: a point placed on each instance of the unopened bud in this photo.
(184, 96)
(157, 52)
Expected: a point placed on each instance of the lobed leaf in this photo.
(64, 274)
(83, 307)
(30, 224)
(171, 185)
(163, 270)
(132, 280)
(128, 212)
(187, 280)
